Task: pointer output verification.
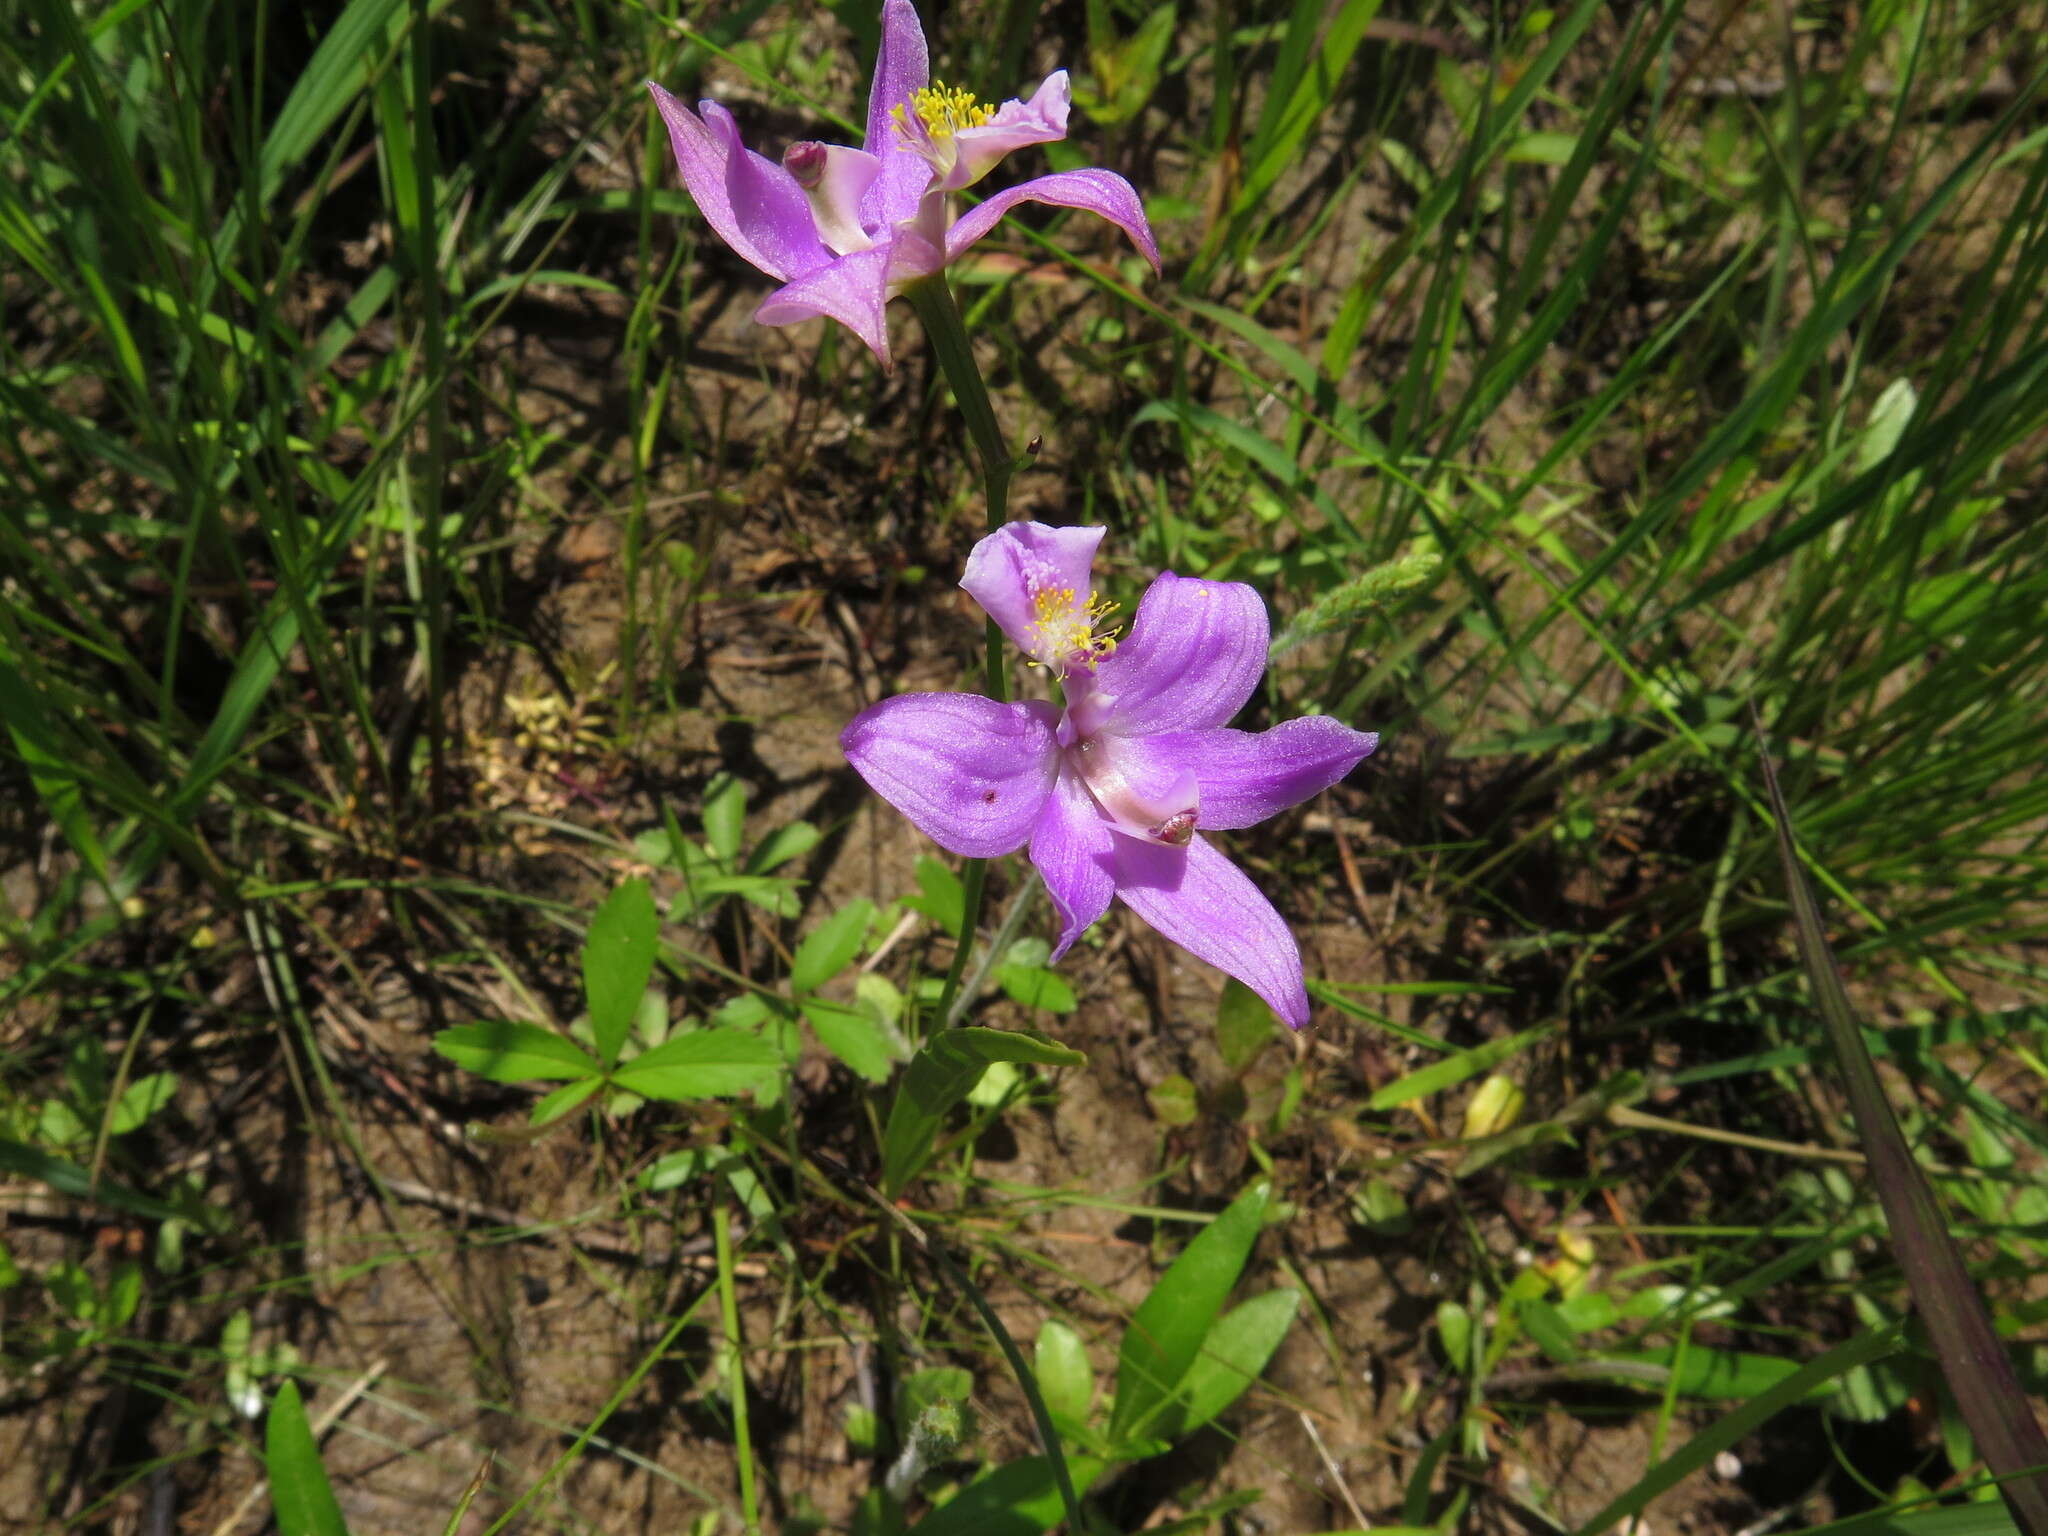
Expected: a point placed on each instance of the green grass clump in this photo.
(419, 582)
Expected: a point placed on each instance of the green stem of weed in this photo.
(735, 1368)
(932, 298)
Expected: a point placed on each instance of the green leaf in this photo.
(939, 1078)
(1548, 1327)
(830, 947)
(1019, 1498)
(725, 815)
(300, 1494)
(1455, 1069)
(117, 1304)
(53, 769)
(1036, 987)
(854, 1038)
(1230, 1360)
(791, 841)
(1126, 72)
(67, 1178)
(141, 1099)
(618, 957)
(1244, 1025)
(1167, 1330)
(1973, 1360)
(561, 1101)
(508, 1052)
(1065, 1378)
(704, 1064)
(1174, 1101)
(943, 899)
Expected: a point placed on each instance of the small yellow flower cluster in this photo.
(1067, 630)
(944, 110)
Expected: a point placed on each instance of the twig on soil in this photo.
(695, 1252)
(1336, 1476)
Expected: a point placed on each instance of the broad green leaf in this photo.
(1019, 1498)
(1244, 1025)
(1166, 1332)
(618, 957)
(854, 1038)
(300, 1495)
(1229, 1361)
(938, 1078)
(561, 1101)
(830, 947)
(1035, 987)
(117, 1304)
(788, 842)
(1551, 1331)
(1174, 1100)
(725, 815)
(141, 1099)
(1065, 1378)
(506, 1051)
(704, 1064)
(941, 897)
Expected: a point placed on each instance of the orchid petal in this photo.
(902, 68)
(1074, 851)
(834, 179)
(972, 775)
(1041, 120)
(1018, 574)
(1195, 652)
(1209, 907)
(850, 289)
(754, 205)
(1096, 190)
(1246, 776)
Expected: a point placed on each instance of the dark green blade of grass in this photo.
(1974, 1362)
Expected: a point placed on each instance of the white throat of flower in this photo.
(1165, 815)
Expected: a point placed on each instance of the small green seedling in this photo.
(710, 1061)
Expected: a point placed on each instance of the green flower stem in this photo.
(932, 298)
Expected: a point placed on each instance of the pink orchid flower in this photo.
(1112, 792)
(845, 230)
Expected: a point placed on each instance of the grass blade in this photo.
(1977, 1368)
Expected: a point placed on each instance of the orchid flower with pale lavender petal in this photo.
(1112, 792)
(845, 230)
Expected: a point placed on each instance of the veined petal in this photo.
(1096, 190)
(1040, 120)
(1037, 583)
(1246, 776)
(1195, 652)
(1073, 849)
(1211, 909)
(854, 290)
(902, 68)
(754, 205)
(971, 774)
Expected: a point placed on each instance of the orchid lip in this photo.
(1168, 817)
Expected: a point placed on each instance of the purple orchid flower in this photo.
(845, 230)
(1112, 792)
